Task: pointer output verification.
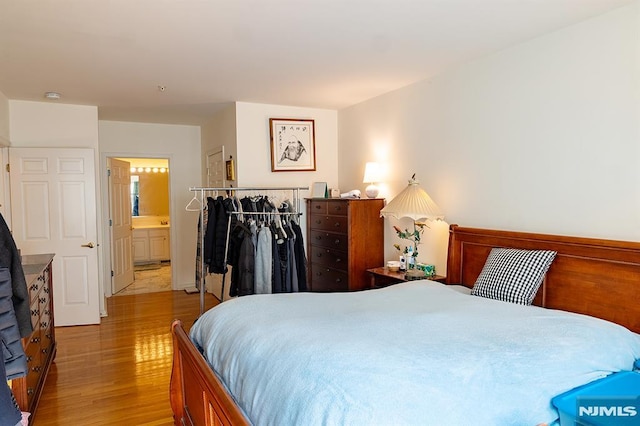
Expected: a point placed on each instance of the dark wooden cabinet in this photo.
(345, 237)
(40, 347)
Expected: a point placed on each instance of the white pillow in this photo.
(513, 275)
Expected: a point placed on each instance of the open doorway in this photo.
(141, 225)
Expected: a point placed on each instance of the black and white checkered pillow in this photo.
(513, 275)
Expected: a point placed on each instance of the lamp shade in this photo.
(371, 173)
(412, 202)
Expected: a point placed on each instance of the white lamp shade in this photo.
(412, 202)
(372, 173)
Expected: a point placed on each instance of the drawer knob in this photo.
(338, 280)
(35, 340)
(319, 255)
(37, 369)
(318, 238)
(338, 260)
(337, 225)
(336, 242)
(318, 221)
(44, 324)
(30, 391)
(318, 207)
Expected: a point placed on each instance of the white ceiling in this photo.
(206, 53)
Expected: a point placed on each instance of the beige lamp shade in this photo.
(412, 202)
(372, 176)
(371, 173)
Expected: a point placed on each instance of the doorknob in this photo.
(90, 245)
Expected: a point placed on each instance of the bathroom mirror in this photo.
(150, 194)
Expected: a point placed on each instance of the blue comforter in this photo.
(417, 353)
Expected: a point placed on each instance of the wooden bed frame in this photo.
(590, 276)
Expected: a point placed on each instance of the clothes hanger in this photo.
(189, 206)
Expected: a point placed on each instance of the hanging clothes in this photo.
(264, 261)
(301, 259)
(242, 261)
(15, 322)
(9, 412)
(200, 265)
(10, 258)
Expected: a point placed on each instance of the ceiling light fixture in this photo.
(53, 96)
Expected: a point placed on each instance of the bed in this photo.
(498, 378)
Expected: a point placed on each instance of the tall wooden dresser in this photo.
(40, 347)
(345, 237)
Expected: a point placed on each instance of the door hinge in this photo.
(110, 222)
(112, 273)
(108, 172)
(8, 168)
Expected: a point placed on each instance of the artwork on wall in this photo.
(231, 175)
(293, 146)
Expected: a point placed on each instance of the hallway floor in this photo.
(117, 373)
(149, 279)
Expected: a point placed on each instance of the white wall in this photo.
(46, 124)
(181, 145)
(219, 131)
(254, 154)
(542, 137)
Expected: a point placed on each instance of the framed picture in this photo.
(230, 170)
(293, 146)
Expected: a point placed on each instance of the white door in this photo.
(54, 211)
(5, 205)
(120, 221)
(216, 168)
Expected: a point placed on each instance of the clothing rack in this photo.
(200, 196)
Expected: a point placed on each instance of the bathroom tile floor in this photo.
(149, 279)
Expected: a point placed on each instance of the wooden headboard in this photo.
(590, 276)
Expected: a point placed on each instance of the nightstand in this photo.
(382, 277)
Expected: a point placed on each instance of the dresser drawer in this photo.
(337, 208)
(329, 240)
(34, 309)
(328, 279)
(45, 314)
(317, 206)
(329, 257)
(32, 352)
(329, 223)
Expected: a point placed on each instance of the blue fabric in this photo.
(413, 353)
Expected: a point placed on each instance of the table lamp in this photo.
(371, 176)
(413, 202)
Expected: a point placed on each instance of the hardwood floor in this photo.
(117, 373)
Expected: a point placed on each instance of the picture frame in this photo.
(230, 169)
(293, 146)
(320, 190)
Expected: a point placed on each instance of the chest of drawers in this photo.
(345, 237)
(40, 347)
